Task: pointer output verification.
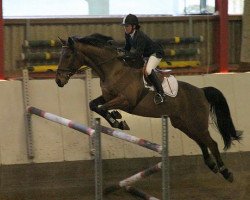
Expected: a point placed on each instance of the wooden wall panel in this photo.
(53, 142)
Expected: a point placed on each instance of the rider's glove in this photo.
(120, 52)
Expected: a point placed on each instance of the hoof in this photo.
(112, 121)
(227, 175)
(123, 125)
(115, 124)
(215, 169)
(230, 177)
(115, 114)
(110, 189)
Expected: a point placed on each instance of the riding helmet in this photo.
(130, 19)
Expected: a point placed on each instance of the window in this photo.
(199, 6)
(208, 6)
(40, 8)
(235, 6)
(147, 7)
(62, 8)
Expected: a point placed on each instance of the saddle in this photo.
(169, 82)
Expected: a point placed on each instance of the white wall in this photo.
(53, 142)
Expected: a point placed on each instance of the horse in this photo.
(123, 89)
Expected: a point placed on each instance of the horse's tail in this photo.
(221, 116)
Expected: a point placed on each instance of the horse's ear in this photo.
(63, 42)
(71, 42)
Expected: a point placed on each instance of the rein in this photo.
(106, 61)
(98, 64)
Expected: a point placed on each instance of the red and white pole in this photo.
(1, 42)
(222, 36)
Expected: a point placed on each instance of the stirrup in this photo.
(158, 99)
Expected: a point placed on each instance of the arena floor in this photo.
(190, 179)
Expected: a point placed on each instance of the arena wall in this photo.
(55, 143)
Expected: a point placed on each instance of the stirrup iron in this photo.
(158, 99)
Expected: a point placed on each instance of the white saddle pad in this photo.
(169, 85)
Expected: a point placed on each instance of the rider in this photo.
(139, 45)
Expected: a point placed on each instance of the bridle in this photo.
(71, 71)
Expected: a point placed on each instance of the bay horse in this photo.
(123, 88)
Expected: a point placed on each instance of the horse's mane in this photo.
(103, 41)
(95, 39)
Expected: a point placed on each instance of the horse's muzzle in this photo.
(62, 79)
(59, 83)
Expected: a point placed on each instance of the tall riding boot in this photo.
(160, 96)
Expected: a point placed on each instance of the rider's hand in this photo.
(120, 52)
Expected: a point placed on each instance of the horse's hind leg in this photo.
(213, 147)
(177, 123)
(207, 158)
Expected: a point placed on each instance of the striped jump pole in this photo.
(132, 179)
(132, 139)
(60, 120)
(139, 193)
(89, 131)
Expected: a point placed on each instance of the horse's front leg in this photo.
(98, 105)
(119, 102)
